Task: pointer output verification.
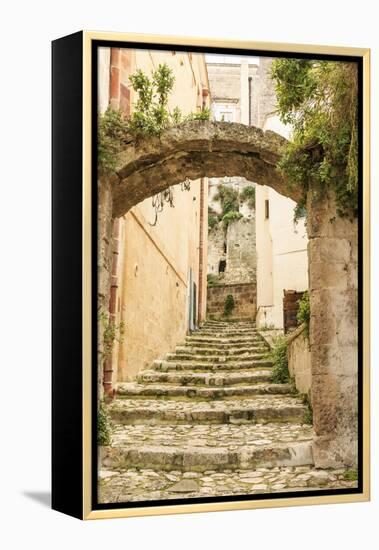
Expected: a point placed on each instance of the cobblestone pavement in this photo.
(147, 484)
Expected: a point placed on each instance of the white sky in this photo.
(235, 59)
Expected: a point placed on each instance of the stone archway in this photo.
(216, 149)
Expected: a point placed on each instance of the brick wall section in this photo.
(245, 299)
(290, 308)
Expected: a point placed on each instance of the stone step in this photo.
(230, 322)
(225, 337)
(226, 351)
(223, 344)
(201, 459)
(193, 378)
(169, 391)
(165, 366)
(225, 333)
(259, 410)
(203, 357)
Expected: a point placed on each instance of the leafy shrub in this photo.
(149, 117)
(304, 312)
(230, 217)
(248, 195)
(228, 198)
(278, 356)
(229, 305)
(104, 426)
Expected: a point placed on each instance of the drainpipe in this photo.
(108, 363)
(250, 79)
(201, 251)
(117, 58)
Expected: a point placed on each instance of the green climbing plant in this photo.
(112, 332)
(319, 99)
(112, 135)
(304, 312)
(213, 218)
(308, 415)
(104, 425)
(248, 195)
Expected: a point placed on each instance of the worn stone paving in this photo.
(227, 435)
(148, 484)
(260, 409)
(207, 420)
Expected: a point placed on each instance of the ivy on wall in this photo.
(319, 99)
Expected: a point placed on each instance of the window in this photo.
(267, 209)
(222, 266)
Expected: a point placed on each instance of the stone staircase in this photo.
(207, 410)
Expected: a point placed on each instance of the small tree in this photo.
(229, 305)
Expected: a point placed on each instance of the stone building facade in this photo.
(158, 278)
(231, 251)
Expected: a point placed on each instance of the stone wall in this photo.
(299, 360)
(241, 258)
(333, 295)
(237, 246)
(245, 299)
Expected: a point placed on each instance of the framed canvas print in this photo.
(210, 275)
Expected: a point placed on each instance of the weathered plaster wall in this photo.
(299, 360)
(152, 298)
(154, 262)
(282, 259)
(282, 262)
(244, 295)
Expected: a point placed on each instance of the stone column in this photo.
(333, 283)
